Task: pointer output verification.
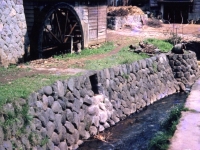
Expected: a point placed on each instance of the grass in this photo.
(12, 69)
(106, 47)
(161, 139)
(124, 56)
(164, 46)
(22, 87)
(13, 117)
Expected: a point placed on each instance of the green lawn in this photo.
(164, 46)
(104, 48)
(122, 57)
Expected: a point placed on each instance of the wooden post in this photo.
(71, 44)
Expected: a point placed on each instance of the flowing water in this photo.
(135, 132)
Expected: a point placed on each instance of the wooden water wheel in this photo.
(59, 30)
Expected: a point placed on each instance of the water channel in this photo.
(135, 132)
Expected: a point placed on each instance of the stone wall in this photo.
(184, 67)
(13, 31)
(117, 22)
(71, 111)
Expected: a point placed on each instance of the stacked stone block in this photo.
(71, 111)
(13, 31)
(184, 67)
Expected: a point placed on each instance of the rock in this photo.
(106, 125)
(37, 122)
(86, 83)
(9, 107)
(103, 117)
(51, 114)
(77, 83)
(76, 105)
(179, 74)
(76, 120)
(50, 145)
(50, 128)
(84, 134)
(112, 123)
(83, 92)
(43, 118)
(63, 146)
(182, 86)
(143, 64)
(113, 85)
(70, 84)
(127, 111)
(93, 130)
(93, 110)
(55, 138)
(45, 102)
(177, 63)
(106, 73)
(43, 132)
(70, 139)
(116, 70)
(25, 142)
(95, 121)
(76, 135)
(62, 104)
(58, 120)
(102, 106)
(7, 145)
(80, 142)
(87, 101)
(114, 118)
(124, 104)
(56, 107)
(75, 146)
(112, 74)
(69, 115)
(32, 99)
(50, 101)
(69, 126)
(101, 128)
(56, 148)
(39, 105)
(62, 134)
(1, 135)
(48, 90)
(76, 93)
(90, 93)
(70, 97)
(61, 91)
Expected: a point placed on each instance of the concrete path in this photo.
(187, 135)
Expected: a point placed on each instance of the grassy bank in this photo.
(163, 45)
(104, 48)
(124, 56)
(22, 87)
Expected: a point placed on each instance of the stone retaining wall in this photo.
(69, 112)
(13, 31)
(184, 67)
(117, 22)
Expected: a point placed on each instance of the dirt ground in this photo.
(121, 38)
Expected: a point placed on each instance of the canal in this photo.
(135, 132)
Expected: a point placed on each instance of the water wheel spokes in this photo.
(70, 33)
(60, 24)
